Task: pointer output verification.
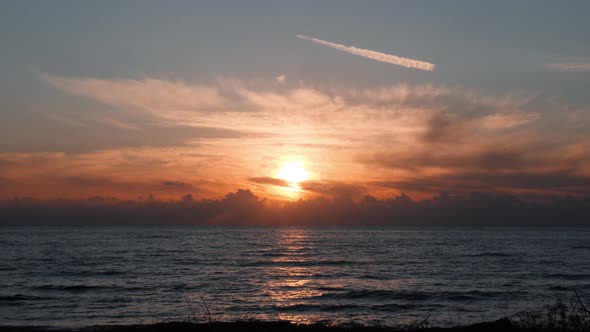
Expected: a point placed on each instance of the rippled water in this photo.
(86, 276)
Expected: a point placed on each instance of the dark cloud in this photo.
(556, 182)
(489, 157)
(127, 186)
(442, 128)
(5, 163)
(176, 185)
(468, 157)
(243, 207)
(269, 180)
(550, 180)
(323, 188)
(334, 189)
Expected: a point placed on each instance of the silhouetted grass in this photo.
(560, 316)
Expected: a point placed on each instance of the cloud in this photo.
(518, 182)
(281, 78)
(507, 121)
(117, 123)
(138, 187)
(269, 180)
(569, 66)
(179, 186)
(494, 157)
(237, 104)
(350, 137)
(118, 173)
(510, 165)
(374, 55)
(336, 189)
(146, 94)
(5, 182)
(75, 139)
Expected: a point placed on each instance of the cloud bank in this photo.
(374, 55)
(244, 208)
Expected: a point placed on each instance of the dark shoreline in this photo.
(503, 324)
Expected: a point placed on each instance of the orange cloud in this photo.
(229, 133)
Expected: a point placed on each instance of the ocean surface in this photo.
(86, 276)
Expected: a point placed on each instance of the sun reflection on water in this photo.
(288, 285)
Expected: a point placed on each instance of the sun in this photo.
(293, 173)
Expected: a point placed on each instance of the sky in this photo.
(293, 99)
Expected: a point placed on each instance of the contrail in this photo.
(569, 66)
(383, 57)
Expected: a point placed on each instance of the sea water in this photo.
(90, 275)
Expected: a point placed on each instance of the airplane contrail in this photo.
(383, 57)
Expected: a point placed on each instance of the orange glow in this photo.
(294, 142)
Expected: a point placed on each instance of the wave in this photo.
(102, 273)
(84, 288)
(8, 268)
(374, 277)
(393, 307)
(288, 254)
(377, 294)
(316, 307)
(490, 254)
(89, 273)
(299, 262)
(303, 307)
(567, 276)
(472, 295)
(22, 297)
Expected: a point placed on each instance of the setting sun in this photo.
(293, 173)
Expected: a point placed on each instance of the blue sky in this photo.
(494, 45)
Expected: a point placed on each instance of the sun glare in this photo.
(292, 173)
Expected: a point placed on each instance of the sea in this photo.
(81, 276)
